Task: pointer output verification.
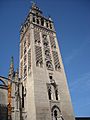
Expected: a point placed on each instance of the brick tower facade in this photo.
(45, 94)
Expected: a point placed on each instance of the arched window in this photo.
(53, 91)
(22, 96)
(56, 113)
(42, 21)
(56, 94)
(33, 19)
(49, 65)
(47, 52)
(45, 43)
(49, 92)
(50, 26)
(37, 21)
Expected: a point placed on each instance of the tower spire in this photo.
(11, 69)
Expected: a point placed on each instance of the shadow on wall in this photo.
(3, 112)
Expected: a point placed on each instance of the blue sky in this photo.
(72, 23)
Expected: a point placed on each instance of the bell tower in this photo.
(45, 94)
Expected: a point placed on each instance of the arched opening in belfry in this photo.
(42, 21)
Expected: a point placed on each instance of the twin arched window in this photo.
(53, 91)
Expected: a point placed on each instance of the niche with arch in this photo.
(53, 91)
(56, 113)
